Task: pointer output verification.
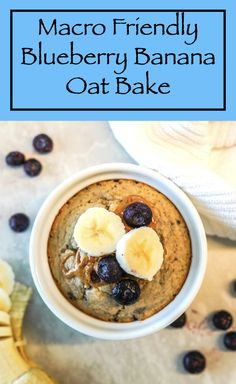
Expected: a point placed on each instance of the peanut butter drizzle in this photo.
(68, 272)
(82, 268)
(134, 199)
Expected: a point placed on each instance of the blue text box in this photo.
(49, 87)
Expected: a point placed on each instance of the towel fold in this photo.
(199, 157)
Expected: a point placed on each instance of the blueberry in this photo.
(126, 292)
(194, 362)
(15, 158)
(109, 269)
(234, 287)
(19, 222)
(137, 215)
(32, 167)
(94, 277)
(180, 322)
(71, 296)
(222, 320)
(230, 340)
(43, 143)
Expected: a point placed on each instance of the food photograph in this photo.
(118, 252)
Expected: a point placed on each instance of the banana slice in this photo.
(97, 231)
(5, 302)
(4, 318)
(5, 332)
(7, 277)
(140, 253)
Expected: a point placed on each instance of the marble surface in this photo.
(69, 356)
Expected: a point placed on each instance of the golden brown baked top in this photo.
(94, 298)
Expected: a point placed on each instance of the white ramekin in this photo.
(57, 302)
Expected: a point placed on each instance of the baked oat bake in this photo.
(75, 273)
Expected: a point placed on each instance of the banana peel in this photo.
(34, 376)
(19, 298)
(15, 366)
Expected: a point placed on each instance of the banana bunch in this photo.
(15, 366)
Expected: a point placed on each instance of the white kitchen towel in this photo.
(200, 157)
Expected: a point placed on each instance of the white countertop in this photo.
(71, 357)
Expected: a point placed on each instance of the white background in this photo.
(67, 355)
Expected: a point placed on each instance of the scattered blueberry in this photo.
(194, 362)
(230, 340)
(43, 143)
(137, 215)
(94, 277)
(109, 269)
(180, 322)
(32, 167)
(222, 320)
(19, 222)
(126, 292)
(15, 158)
